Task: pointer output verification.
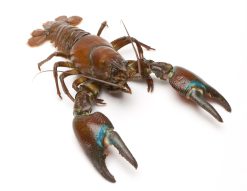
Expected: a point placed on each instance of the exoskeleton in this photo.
(98, 64)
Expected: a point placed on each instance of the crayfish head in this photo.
(111, 67)
(120, 77)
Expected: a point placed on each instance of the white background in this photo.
(177, 145)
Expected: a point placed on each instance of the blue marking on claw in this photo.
(101, 135)
(195, 83)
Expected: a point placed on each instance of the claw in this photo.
(112, 137)
(214, 95)
(198, 98)
(95, 132)
(195, 89)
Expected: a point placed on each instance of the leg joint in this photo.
(84, 101)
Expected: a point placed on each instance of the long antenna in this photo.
(137, 56)
(89, 77)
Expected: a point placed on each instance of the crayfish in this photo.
(99, 65)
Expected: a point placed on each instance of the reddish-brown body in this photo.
(98, 64)
(91, 53)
